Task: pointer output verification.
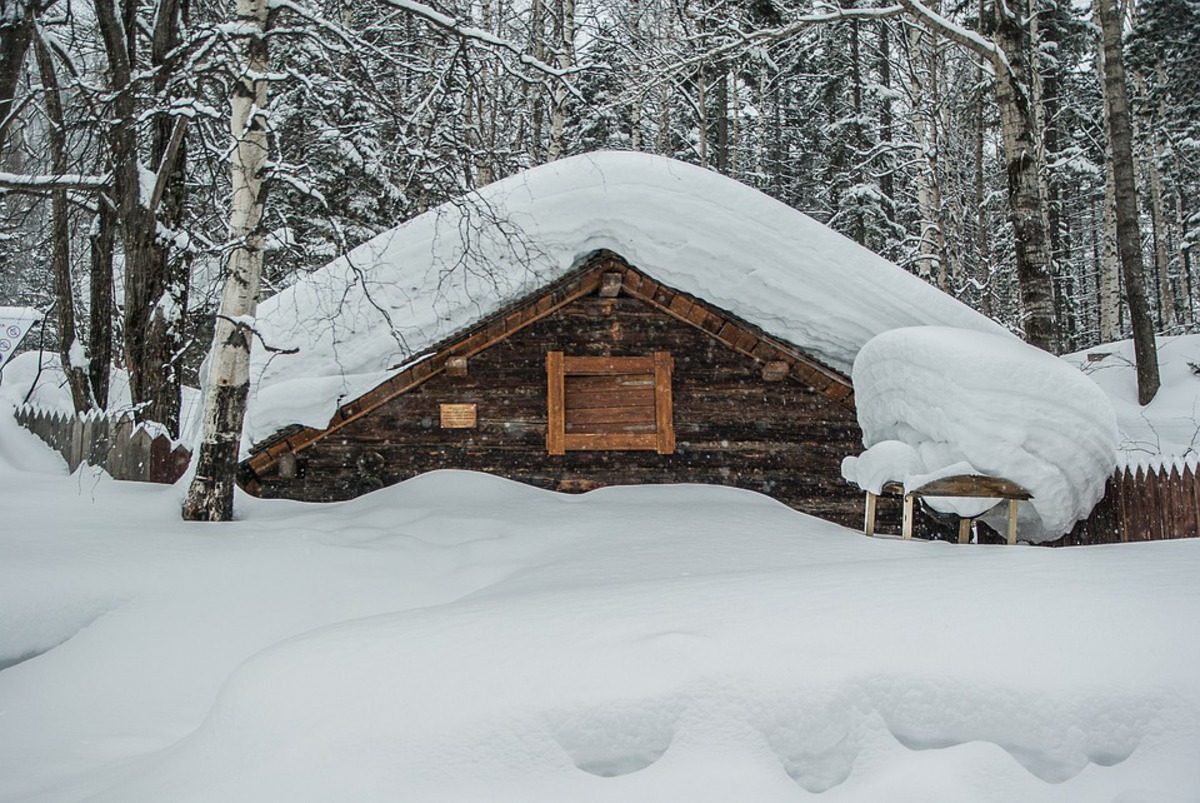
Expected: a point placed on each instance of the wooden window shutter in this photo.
(617, 403)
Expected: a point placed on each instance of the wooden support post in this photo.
(964, 531)
(908, 517)
(869, 523)
(1012, 521)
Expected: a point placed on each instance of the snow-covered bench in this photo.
(961, 486)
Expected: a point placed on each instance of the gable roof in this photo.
(371, 314)
(731, 331)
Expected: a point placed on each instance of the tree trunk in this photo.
(1129, 244)
(100, 329)
(170, 268)
(210, 497)
(1158, 222)
(1027, 202)
(70, 351)
(931, 265)
(887, 178)
(16, 30)
(564, 45)
(151, 338)
(1010, 56)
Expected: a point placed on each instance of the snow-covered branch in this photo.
(956, 33)
(66, 181)
(465, 31)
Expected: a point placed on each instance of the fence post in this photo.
(139, 452)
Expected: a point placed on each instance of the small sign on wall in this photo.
(458, 416)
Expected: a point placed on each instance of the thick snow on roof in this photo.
(359, 318)
(934, 401)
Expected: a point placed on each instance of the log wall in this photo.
(732, 427)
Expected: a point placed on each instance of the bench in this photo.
(961, 486)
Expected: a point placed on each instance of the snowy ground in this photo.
(463, 638)
(1168, 427)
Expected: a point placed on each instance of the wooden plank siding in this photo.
(1143, 504)
(728, 425)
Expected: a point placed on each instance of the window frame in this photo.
(560, 367)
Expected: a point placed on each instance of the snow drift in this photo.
(1165, 431)
(935, 401)
(361, 318)
(460, 638)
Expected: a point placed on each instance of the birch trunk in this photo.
(1129, 244)
(1009, 53)
(1027, 202)
(931, 263)
(564, 30)
(1109, 263)
(210, 497)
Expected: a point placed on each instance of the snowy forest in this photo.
(1003, 151)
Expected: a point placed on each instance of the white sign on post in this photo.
(15, 322)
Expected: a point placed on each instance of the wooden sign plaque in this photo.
(458, 416)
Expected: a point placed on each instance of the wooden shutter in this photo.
(610, 403)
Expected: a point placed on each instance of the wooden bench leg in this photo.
(908, 517)
(1012, 521)
(964, 531)
(869, 524)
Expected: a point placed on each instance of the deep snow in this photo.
(1168, 428)
(463, 638)
(935, 401)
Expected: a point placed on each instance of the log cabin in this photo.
(591, 356)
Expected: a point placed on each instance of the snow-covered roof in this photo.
(358, 320)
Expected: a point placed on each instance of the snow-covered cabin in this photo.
(612, 318)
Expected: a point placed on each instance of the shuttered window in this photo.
(609, 403)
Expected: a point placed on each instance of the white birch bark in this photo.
(565, 29)
(210, 497)
(931, 266)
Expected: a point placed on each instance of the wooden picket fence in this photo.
(1153, 500)
(122, 447)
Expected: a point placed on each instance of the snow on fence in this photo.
(125, 449)
(1150, 500)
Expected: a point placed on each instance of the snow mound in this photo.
(935, 401)
(460, 638)
(364, 316)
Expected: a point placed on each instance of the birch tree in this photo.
(1008, 53)
(210, 496)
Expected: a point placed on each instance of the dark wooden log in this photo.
(730, 426)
